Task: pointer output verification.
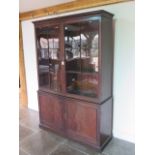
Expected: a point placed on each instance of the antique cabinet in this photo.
(75, 67)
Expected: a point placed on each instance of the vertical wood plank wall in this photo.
(23, 91)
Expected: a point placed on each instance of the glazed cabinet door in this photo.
(42, 47)
(81, 57)
(49, 57)
(51, 111)
(81, 120)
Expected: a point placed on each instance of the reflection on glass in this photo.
(48, 51)
(89, 85)
(81, 49)
(82, 84)
(54, 42)
(89, 46)
(42, 48)
(72, 41)
(55, 76)
(73, 83)
(53, 53)
(44, 76)
(54, 62)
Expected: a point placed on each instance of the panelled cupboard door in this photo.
(81, 120)
(51, 111)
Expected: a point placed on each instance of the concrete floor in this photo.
(36, 141)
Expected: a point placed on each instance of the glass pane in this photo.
(82, 84)
(89, 84)
(72, 41)
(54, 55)
(73, 83)
(55, 76)
(73, 65)
(44, 76)
(54, 47)
(89, 46)
(43, 61)
(89, 58)
(81, 51)
(72, 47)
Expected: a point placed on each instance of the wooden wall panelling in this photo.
(23, 91)
(66, 7)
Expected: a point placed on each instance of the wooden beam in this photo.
(23, 91)
(67, 7)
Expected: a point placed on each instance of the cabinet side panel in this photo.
(106, 121)
(107, 58)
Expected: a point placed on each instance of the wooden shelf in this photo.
(73, 72)
(78, 72)
(55, 59)
(78, 58)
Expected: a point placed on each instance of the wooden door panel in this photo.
(51, 111)
(81, 120)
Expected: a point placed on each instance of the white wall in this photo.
(30, 63)
(123, 92)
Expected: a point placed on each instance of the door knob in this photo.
(62, 62)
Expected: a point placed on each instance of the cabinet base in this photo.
(87, 144)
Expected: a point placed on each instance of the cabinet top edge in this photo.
(83, 15)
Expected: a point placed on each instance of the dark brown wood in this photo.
(63, 77)
(106, 110)
(80, 117)
(106, 59)
(86, 119)
(73, 18)
(51, 111)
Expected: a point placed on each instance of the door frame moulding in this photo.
(67, 7)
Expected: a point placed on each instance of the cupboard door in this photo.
(49, 57)
(81, 57)
(51, 111)
(81, 120)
